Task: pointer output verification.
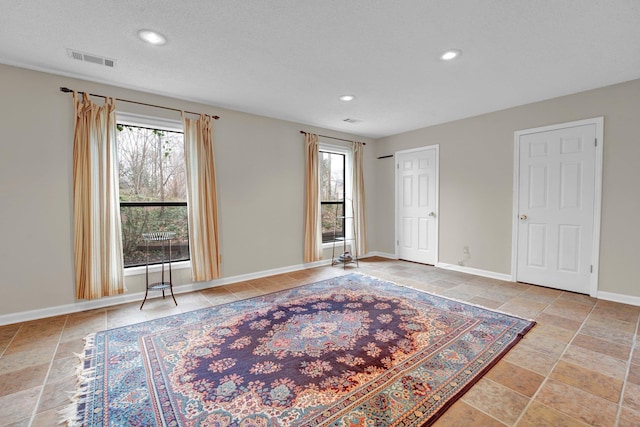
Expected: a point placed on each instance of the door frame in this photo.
(597, 199)
(435, 147)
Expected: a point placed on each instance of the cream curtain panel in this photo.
(359, 219)
(96, 209)
(312, 218)
(201, 198)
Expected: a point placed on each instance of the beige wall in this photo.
(476, 181)
(260, 176)
(260, 181)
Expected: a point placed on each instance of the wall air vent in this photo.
(89, 57)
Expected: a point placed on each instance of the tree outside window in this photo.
(152, 191)
(332, 195)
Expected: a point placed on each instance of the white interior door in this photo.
(417, 205)
(556, 200)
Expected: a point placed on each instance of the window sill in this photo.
(141, 269)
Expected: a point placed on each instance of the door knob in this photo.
(433, 214)
(523, 217)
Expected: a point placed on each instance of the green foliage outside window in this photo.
(151, 170)
(332, 188)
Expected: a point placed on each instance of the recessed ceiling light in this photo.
(451, 54)
(347, 98)
(152, 37)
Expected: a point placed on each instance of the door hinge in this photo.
(592, 268)
(397, 242)
(398, 166)
(596, 141)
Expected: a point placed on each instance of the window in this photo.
(334, 190)
(153, 194)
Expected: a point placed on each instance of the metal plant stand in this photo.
(164, 237)
(346, 257)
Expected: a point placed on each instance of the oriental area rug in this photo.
(349, 351)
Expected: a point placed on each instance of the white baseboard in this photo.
(607, 296)
(475, 271)
(621, 298)
(462, 269)
(381, 254)
(79, 306)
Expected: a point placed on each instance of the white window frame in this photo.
(348, 186)
(160, 124)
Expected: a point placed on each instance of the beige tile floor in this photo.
(579, 366)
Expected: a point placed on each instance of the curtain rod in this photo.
(332, 137)
(67, 90)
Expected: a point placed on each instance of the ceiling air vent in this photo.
(89, 57)
(347, 120)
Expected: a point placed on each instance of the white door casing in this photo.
(557, 192)
(417, 204)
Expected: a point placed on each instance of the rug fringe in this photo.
(86, 373)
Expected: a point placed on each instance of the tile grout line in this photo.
(55, 351)
(375, 273)
(530, 399)
(626, 375)
(487, 413)
(394, 279)
(498, 309)
(502, 385)
(546, 378)
(11, 340)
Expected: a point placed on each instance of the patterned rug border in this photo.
(86, 371)
(461, 301)
(489, 366)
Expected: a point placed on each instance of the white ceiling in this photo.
(291, 59)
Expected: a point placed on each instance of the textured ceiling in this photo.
(291, 59)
